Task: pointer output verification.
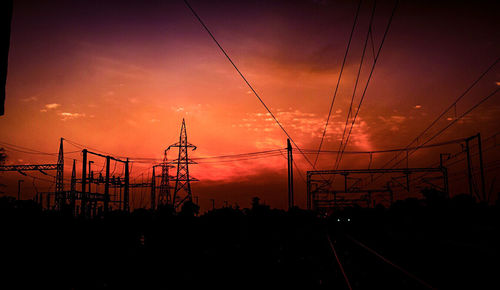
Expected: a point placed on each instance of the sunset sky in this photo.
(120, 76)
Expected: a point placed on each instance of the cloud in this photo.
(394, 123)
(70, 116)
(190, 109)
(30, 99)
(398, 119)
(305, 126)
(52, 106)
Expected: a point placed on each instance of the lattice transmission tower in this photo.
(182, 179)
(164, 197)
(60, 199)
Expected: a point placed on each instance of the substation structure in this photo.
(59, 167)
(84, 199)
(324, 196)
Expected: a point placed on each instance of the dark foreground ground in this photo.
(448, 244)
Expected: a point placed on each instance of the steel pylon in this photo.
(182, 179)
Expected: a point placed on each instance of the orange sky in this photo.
(121, 76)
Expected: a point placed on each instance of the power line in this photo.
(338, 80)
(447, 109)
(454, 141)
(449, 164)
(25, 150)
(445, 128)
(245, 80)
(30, 151)
(357, 77)
(443, 113)
(240, 159)
(368, 80)
(78, 145)
(454, 121)
(266, 153)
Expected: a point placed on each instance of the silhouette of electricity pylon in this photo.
(182, 180)
(60, 198)
(164, 198)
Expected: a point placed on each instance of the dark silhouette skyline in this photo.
(339, 144)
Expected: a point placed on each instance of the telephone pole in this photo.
(481, 166)
(153, 189)
(290, 174)
(19, 189)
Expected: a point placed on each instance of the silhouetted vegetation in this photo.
(446, 242)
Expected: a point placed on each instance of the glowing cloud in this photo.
(70, 116)
(52, 106)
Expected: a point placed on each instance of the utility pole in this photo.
(309, 194)
(445, 172)
(126, 190)
(481, 166)
(73, 188)
(83, 206)
(91, 201)
(91, 176)
(153, 189)
(106, 186)
(469, 167)
(213, 203)
(345, 181)
(290, 174)
(19, 189)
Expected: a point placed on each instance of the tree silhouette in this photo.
(434, 197)
(189, 208)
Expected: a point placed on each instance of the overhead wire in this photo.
(368, 80)
(246, 81)
(456, 119)
(487, 97)
(338, 81)
(454, 141)
(357, 78)
(463, 151)
(451, 106)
